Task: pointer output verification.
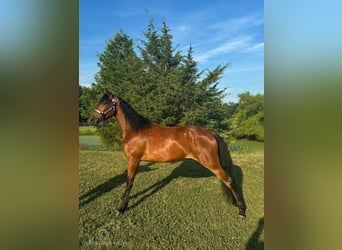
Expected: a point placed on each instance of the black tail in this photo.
(224, 155)
(234, 173)
(227, 165)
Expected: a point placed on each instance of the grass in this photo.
(87, 130)
(246, 146)
(172, 206)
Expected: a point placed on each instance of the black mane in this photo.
(105, 98)
(135, 120)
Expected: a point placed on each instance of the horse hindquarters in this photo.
(212, 152)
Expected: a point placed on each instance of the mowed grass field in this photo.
(177, 205)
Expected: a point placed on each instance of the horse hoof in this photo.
(242, 214)
(119, 213)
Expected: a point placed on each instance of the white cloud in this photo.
(231, 46)
(234, 27)
(255, 48)
(237, 24)
(182, 28)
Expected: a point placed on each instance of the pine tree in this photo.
(87, 101)
(160, 83)
(161, 64)
(189, 80)
(119, 66)
(121, 73)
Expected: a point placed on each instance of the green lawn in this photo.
(87, 130)
(172, 206)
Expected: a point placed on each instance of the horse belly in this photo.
(164, 151)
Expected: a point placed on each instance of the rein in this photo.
(113, 107)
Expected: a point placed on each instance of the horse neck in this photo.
(123, 124)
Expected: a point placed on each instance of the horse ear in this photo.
(106, 91)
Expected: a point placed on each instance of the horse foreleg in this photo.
(132, 169)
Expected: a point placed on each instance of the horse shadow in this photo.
(107, 186)
(190, 169)
(254, 242)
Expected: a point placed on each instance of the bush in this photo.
(110, 134)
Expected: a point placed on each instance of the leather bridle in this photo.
(113, 107)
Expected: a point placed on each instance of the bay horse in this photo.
(147, 141)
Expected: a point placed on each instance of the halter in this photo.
(113, 107)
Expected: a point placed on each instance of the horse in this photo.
(144, 140)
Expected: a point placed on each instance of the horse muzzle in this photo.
(94, 120)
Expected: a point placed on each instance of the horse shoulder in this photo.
(134, 145)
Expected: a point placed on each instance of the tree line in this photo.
(167, 87)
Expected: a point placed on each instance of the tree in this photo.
(81, 119)
(121, 73)
(248, 120)
(120, 68)
(87, 101)
(160, 83)
(161, 74)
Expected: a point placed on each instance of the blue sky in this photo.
(220, 32)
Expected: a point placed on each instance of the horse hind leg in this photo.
(234, 202)
(228, 181)
(237, 200)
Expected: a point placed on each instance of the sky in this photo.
(219, 31)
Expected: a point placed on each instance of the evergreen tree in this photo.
(162, 74)
(120, 68)
(207, 101)
(160, 83)
(121, 73)
(81, 119)
(87, 101)
(189, 78)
